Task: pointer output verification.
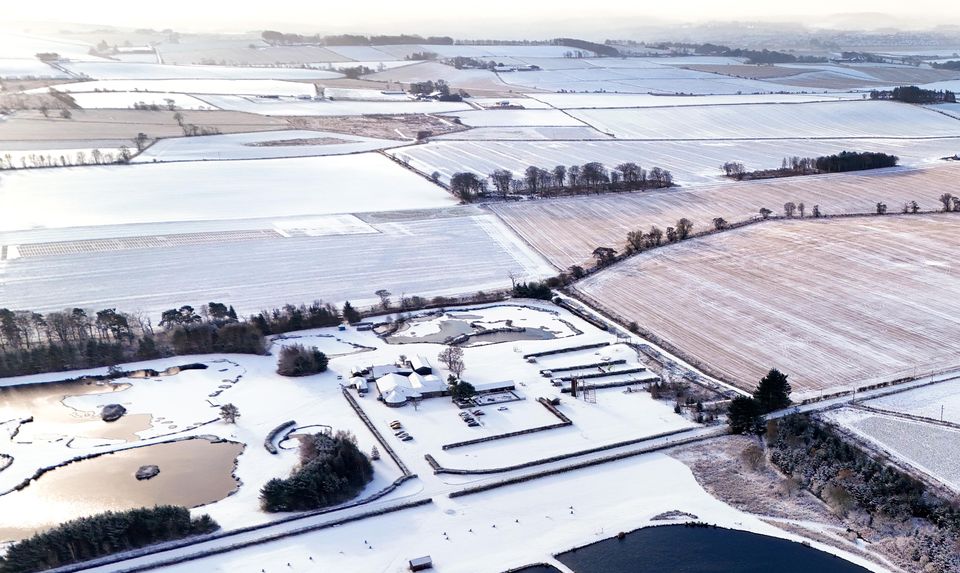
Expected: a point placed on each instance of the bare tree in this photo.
(655, 236)
(384, 296)
(452, 358)
(229, 413)
(604, 255)
(801, 208)
(765, 213)
(684, 226)
(719, 223)
(636, 241)
(947, 200)
(789, 208)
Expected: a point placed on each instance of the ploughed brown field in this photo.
(833, 303)
(567, 230)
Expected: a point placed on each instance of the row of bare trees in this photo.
(592, 177)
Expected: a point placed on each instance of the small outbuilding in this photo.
(421, 563)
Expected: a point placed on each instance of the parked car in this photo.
(473, 423)
(502, 409)
(479, 413)
(407, 438)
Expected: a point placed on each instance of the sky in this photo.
(434, 16)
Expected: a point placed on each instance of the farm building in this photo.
(420, 365)
(397, 389)
(421, 563)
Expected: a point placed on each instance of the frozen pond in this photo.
(54, 421)
(193, 472)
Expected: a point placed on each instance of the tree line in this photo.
(332, 470)
(284, 38)
(752, 56)
(914, 94)
(852, 482)
(103, 534)
(792, 166)
(592, 177)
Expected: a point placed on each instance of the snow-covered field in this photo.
(89, 196)
(257, 146)
(925, 446)
(130, 100)
(137, 71)
(543, 133)
(833, 304)
(827, 119)
(650, 78)
(327, 107)
(610, 100)
(926, 402)
(516, 117)
(188, 86)
(15, 68)
(426, 254)
(690, 162)
(567, 230)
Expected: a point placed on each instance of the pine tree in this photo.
(745, 416)
(773, 392)
(350, 314)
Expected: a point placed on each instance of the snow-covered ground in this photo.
(131, 100)
(327, 107)
(139, 71)
(426, 254)
(610, 100)
(926, 402)
(256, 146)
(17, 68)
(88, 196)
(516, 117)
(827, 119)
(690, 162)
(924, 446)
(505, 528)
(188, 86)
(646, 79)
(180, 401)
(545, 133)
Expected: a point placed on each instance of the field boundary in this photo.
(439, 469)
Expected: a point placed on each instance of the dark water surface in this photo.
(679, 549)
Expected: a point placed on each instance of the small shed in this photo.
(421, 563)
(421, 365)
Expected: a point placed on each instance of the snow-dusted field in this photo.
(926, 402)
(252, 146)
(130, 100)
(16, 68)
(927, 447)
(428, 254)
(832, 303)
(828, 119)
(567, 230)
(690, 162)
(90, 196)
(610, 100)
(647, 78)
(136, 71)
(517, 117)
(541, 133)
(187, 86)
(327, 107)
